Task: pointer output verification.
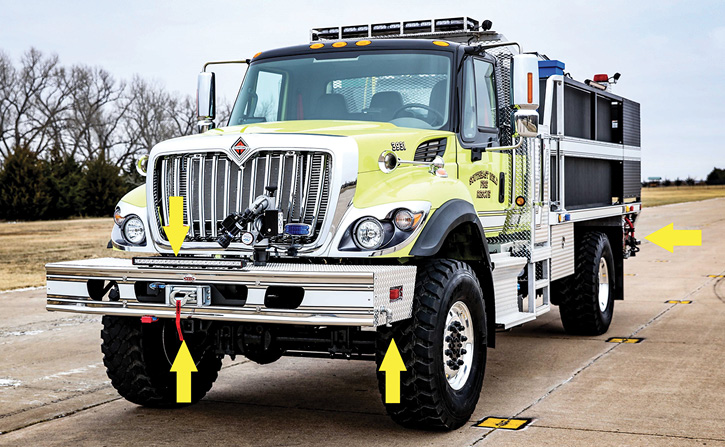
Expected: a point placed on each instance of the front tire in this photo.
(138, 359)
(587, 304)
(443, 347)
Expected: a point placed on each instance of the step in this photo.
(512, 319)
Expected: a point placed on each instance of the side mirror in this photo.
(205, 101)
(526, 94)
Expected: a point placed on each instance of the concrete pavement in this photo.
(667, 390)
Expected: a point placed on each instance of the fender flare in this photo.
(445, 219)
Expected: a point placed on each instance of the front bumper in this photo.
(334, 295)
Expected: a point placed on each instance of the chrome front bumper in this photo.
(334, 295)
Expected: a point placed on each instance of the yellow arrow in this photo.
(183, 367)
(176, 231)
(667, 237)
(392, 366)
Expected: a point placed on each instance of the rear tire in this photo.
(434, 395)
(138, 360)
(587, 301)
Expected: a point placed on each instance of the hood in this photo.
(372, 138)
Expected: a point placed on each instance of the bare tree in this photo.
(32, 99)
(95, 114)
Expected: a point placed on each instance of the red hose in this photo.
(178, 320)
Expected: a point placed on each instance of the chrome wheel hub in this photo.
(603, 285)
(458, 343)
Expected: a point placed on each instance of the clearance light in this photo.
(315, 46)
(520, 201)
(440, 43)
(396, 293)
(530, 79)
(406, 220)
(339, 44)
(257, 55)
(362, 43)
(117, 217)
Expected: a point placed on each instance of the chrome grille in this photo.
(213, 186)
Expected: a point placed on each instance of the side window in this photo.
(468, 124)
(485, 94)
(478, 117)
(269, 88)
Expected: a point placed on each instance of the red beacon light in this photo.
(601, 78)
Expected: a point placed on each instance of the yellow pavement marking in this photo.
(678, 301)
(505, 423)
(624, 340)
(716, 276)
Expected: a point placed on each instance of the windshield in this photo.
(408, 90)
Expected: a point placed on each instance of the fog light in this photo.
(133, 230)
(369, 233)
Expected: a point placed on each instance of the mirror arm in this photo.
(507, 148)
(245, 61)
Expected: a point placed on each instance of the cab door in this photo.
(483, 171)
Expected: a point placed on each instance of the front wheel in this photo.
(443, 347)
(138, 359)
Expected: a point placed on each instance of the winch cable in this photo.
(178, 320)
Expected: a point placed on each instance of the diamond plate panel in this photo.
(400, 309)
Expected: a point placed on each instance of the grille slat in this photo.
(302, 179)
(214, 168)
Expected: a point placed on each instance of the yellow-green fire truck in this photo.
(427, 182)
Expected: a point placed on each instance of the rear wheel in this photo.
(443, 347)
(138, 359)
(587, 302)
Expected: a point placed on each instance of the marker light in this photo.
(520, 201)
(117, 217)
(339, 44)
(256, 55)
(362, 43)
(315, 46)
(440, 43)
(530, 81)
(396, 293)
(406, 220)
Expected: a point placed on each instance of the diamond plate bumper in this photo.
(334, 295)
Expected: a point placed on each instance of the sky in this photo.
(669, 52)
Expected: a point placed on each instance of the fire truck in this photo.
(425, 182)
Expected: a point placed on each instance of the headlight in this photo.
(369, 234)
(406, 220)
(133, 230)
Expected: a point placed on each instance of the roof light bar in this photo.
(401, 29)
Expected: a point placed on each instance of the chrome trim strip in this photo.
(164, 195)
(187, 203)
(306, 187)
(227, 174)
(280, 179)
(214, 170)
(202, 218)
(293, 193)
(361, 319)
(240, 183)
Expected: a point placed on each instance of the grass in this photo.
(665, 195)
(25, 247)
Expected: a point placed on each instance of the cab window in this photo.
(479, 121)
